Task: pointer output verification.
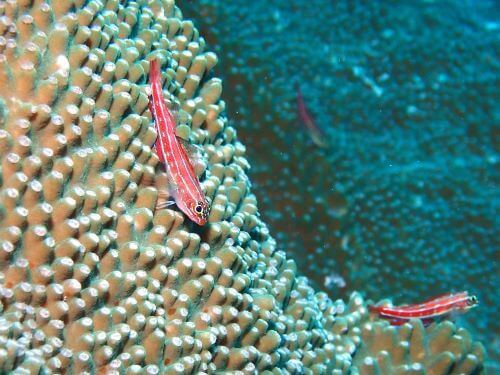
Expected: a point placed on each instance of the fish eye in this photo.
(472, 300)
(198, 208)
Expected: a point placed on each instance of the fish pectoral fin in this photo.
(165, 182)
(398, 322)
(192, 150)
(168, 186)
(195, 155)
(161, 204)
(167, 190)
(162, 194)
(165, 199)
(171, 186)
(428, 322)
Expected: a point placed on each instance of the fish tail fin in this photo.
(154, 69)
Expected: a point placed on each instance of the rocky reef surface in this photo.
(95, 279)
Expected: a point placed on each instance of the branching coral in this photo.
(93, 278)
(410, 350)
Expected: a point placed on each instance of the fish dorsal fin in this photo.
(192, 151)
(181, 118)
(195, 156)
(173, 107)
(182, 133)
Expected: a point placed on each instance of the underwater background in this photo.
(403, 202)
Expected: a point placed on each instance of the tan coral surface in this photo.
(93, 278)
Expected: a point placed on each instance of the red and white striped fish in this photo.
(427, 311)
(316, 134)
(184, 186)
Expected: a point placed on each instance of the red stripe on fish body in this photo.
(186, 191)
